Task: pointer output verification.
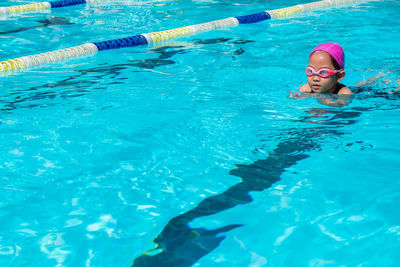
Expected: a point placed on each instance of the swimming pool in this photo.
(195, 144)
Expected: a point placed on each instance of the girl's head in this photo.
(325, 68)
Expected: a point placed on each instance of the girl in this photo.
(325, 70)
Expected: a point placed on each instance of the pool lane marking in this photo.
(155, 37)
(180, 244)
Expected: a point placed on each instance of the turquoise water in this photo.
(191, 152)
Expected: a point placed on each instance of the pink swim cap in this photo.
(334, 50)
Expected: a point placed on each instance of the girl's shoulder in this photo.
(305, 88)
(343, 90)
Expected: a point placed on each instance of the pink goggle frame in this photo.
(323, 73)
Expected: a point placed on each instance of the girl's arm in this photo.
(335, 100)
(372, 79)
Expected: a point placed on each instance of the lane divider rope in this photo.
(12, 10)
(154, 37)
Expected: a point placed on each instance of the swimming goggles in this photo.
(323, 73)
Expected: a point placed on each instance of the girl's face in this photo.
(317, 61)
